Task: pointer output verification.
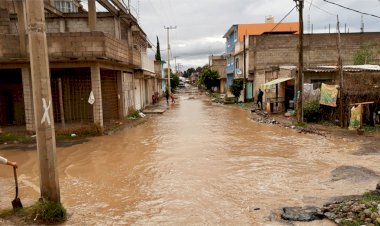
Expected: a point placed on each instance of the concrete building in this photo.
(100, 56)
(235, 47)
(268, 53)
(219, 63)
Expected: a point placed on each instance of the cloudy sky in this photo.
(201, 24)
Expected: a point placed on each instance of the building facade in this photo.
(218, 63)
(236, 54)
(101, 57)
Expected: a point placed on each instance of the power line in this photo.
(282, 19)
(345, 7)
(323, 10)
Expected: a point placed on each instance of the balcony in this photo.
(74, 46)
(146, 63)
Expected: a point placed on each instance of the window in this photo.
(237, 63)
(66, 6)
(235, 35)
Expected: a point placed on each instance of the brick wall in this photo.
(319, 49)
(9, 46)
(4, 21)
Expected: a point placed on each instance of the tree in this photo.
(188, 72)
(174, 80)
(209, 78)
(366, 54)
(158, 53)
(236, 88)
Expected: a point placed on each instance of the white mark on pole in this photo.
(46, 107)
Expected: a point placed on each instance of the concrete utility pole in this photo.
(340, 69)
(244, 72)
(42, 100)
(167, 29)
(299, 81)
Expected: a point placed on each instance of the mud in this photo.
(197, 164)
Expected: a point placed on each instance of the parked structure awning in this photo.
(274, 82)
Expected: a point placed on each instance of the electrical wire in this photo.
(282, 19)
(330, 13)
(345, 7)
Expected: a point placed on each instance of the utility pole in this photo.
(340, 69)
(299, 81)
(244, 71)
(175, 64)
(167, 29)
(42, 100)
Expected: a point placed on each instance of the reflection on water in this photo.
(198, 163)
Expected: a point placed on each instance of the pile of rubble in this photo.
(361, 210)
(264, 117)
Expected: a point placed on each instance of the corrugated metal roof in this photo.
(348, 68)
(288, 67)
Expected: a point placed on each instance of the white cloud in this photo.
(201, 24)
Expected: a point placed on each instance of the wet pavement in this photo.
(199, 163)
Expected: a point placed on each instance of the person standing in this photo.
(260, 99)
(167, 96)
(7, 162)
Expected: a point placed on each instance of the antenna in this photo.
(362, 24)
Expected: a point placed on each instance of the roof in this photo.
(274, 82)
(349, 68)
(259, 29)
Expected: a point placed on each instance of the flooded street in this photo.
(197, 164)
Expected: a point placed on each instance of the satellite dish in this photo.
(238, 71)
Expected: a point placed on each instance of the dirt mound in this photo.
(353, 173)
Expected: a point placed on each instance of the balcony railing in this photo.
(74, 45)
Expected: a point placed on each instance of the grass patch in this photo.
(351, 223)
(327, 123)
(371, 129)
(370, 197)
(215, 95)
(133, 115)
(83, 131)
(22, 138)
(300, 124)
(42, 212)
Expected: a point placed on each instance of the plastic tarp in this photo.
(268, 85)
(329, 95)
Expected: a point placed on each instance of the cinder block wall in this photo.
(319, 49)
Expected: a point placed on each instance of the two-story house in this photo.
(102, 55)
(235, 47)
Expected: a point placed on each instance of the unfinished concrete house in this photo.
(99, 66)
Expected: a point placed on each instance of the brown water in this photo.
(197, 164)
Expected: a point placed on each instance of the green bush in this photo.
(236, 88)
(312, 111)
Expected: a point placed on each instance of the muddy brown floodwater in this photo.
(197, 164)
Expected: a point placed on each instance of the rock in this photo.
(368, 220)
(377, 220)
(330, 215)
(374, 216)
(338, 221)
(367, 212)
(309, 213)
(378, 186)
